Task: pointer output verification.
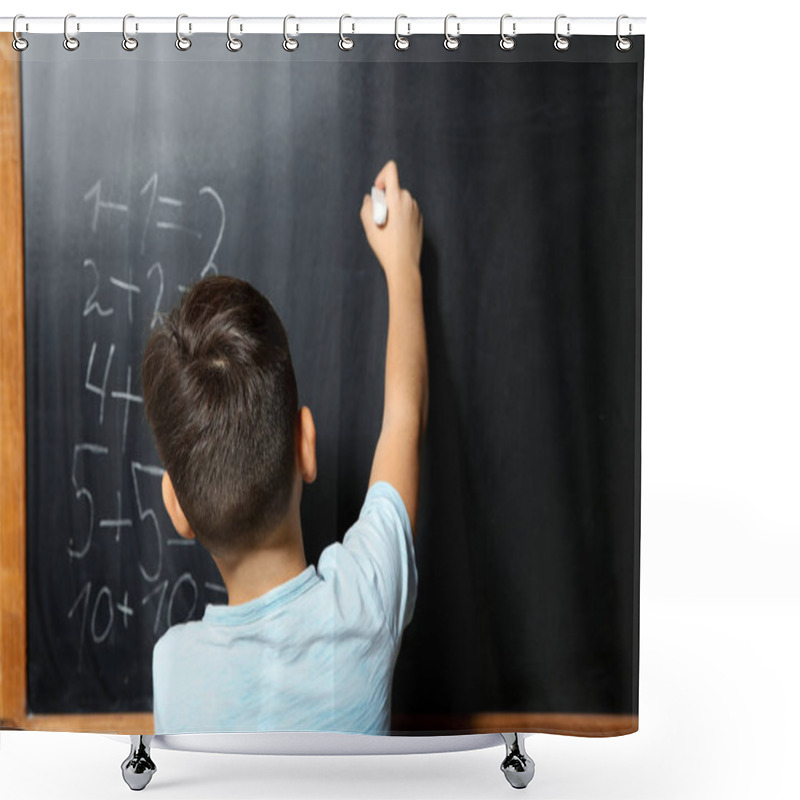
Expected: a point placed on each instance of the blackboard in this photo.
(144, 171)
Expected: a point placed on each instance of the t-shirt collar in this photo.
(255, 608)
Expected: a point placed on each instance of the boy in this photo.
(298, 647)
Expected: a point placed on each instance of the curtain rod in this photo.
(351, 25)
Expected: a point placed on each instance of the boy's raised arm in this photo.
(398, 245)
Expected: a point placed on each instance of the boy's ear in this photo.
(174, 509)
(307, 445)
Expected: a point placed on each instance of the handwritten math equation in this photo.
(121, 293)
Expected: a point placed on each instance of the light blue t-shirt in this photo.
(316, 653)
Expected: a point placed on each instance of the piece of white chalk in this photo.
(378, 205)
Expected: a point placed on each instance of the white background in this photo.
(720, 446)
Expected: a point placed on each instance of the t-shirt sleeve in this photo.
(160, 669)
(382, 541)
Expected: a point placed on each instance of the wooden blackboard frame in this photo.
(13, 606)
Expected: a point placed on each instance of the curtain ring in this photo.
(289, 44)
(561, 43)
(451, 42)
(70, 42)
(622, 43)
(181, 42)
(233, 44)
(17, 42)
(128, 42)
(507, 42)
(400, 42)
(345, 42)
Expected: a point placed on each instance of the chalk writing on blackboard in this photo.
(95, 194)
(82, 492)
(91, 303)
(99, 390)
(116, 486)
(119, 522)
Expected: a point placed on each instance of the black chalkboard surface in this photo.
(144, 171)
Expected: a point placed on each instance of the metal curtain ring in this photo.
(345, 42)
(400, 42)
(451, 42)
(561, 43)
(17, 42)
(181, 42)
(289, 44)
(128, 42)
(70, 42)
(622, 43)
(507, 42)
(233, 44)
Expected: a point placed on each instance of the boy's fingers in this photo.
(387, 179)
(366, 212)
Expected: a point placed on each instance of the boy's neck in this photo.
(261, 570)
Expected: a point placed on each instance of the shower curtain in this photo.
(149, 170)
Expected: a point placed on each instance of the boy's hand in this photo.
(398, 243)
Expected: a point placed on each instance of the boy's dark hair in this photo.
(221, 399)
